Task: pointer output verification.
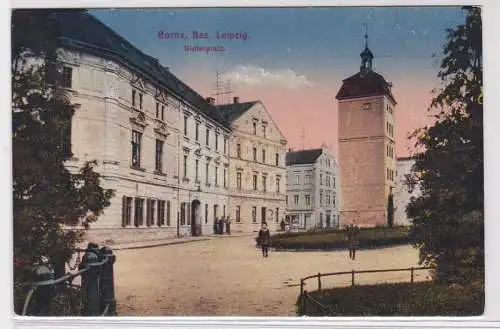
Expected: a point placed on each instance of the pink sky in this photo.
(314, 109)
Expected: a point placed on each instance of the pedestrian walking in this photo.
(352, 232)
(228, 226)
(264, 239)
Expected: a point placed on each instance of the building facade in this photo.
(257, 181)
(402, 195)
(312, 198)
(159, 145)
(367, 160)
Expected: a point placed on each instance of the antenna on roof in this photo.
(222, 89)
(302, 137)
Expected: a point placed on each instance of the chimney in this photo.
(211, 100)
(236, 100)
(290, 149)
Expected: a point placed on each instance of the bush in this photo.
(368, 238)
(401, 299)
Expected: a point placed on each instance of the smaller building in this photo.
(402, 195)
(312, 189)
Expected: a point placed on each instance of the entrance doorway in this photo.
(195, 218)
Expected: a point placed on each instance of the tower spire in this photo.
(366, 55)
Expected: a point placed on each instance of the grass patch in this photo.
(400, 299)
(333, 240)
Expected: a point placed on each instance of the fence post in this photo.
(304, 303)
(352, 278)
(107, 282)
(411, 275)
(319, 281)
(301, 286)
(44, 294)
(90, 283)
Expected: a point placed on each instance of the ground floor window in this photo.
(139, 212)
(183, 213)
(206, 213)
(156, 211)
(238, 214)
(277, 214)
(254, 214)
(160, 217)
(126, 211)
(150, 212)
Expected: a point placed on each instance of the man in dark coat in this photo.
(264, 239)
(352, 232)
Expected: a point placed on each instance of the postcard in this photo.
(248, 162)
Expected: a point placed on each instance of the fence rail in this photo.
(96, 292)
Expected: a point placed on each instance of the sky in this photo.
(294, 59)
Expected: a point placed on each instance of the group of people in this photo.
(351, 232)
(219, 225)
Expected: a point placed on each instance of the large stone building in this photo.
(161, 146)
(312, 189)
(257, 181)
(367, 161)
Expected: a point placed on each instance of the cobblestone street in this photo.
(228, 276)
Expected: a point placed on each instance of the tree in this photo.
(390, 211)
(47, 198)
(448, 220)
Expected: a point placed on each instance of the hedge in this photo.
(400, 299)
(368, 238)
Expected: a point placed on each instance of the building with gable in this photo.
(366, 133)
(257, 182)
(312, 199)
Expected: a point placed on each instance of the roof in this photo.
(231, 112)
(369, 84)
(82, 31)
(303, 157)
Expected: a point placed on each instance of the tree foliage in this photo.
(47, 198)
(448, 217)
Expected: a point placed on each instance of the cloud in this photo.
(258, 76)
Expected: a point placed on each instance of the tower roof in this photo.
(365, 85)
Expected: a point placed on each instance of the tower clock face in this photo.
(366, 106)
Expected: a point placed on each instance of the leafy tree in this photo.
(448, 217)
(47, 199)
(390, 211)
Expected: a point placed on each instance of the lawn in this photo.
(334, 240)
(401, 299)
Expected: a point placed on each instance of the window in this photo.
(333, 200)
(277, 158)
(308, 178)
(185, 125)
(277, 214)
(264, 131)
(140, 101)
(67, 77)
(139, 212)
(163, 113)
(321, 197)
(238, 150)
(264, 183)
(296, 199)
(150, 211)
(134, 93)
(254, 154)
(183, 213)
(320, 179)
(136, 148)
(197, 168)
(159, 156)
(278, 178)
(238, 214)
(255, 128)
(263, 156)
(255, 182)
(286, 199)
(225, 145)
(224, 211)
(207, 136)
(216, 176)
(197, 132)
(333, 181)
(327, 197)
(160, 217)
(206, 172)
(216, 142)
(297, 179)
(327, 179)
(254, 214)
(206, 213)
(225, 179)
(184, 166)
(126, 211)
(157, 110)
(238, 180)
(308, 200)
(216, 207)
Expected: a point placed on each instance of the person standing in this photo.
(352, 232)
(264, 239)
(228, 226)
